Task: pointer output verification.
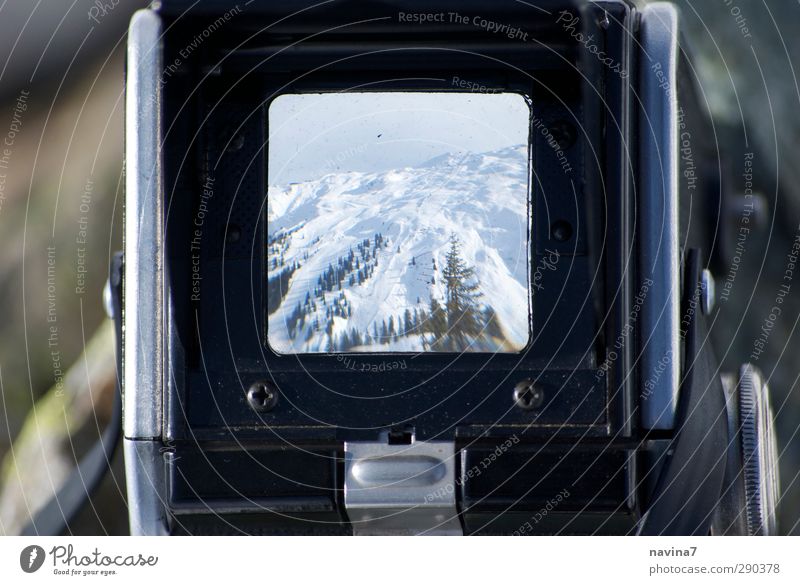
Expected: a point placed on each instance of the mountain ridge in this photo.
(353, 256)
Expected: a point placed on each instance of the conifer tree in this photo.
(329, 332)
(408, 324)
(461, 298)
(355, 338)
(436, 326)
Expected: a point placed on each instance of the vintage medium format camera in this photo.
(440, 267)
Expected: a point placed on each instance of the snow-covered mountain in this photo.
(358, 261)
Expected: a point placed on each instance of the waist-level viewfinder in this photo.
(414, 268)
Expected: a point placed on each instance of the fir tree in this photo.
(329, 332)
(464, 320)
(436, 326)
(355, 338)
(408, 324)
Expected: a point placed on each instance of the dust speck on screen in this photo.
(398, 222)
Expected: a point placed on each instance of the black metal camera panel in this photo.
(225, 434)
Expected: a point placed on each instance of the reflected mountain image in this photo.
(426, 258)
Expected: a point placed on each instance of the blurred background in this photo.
(61, 173)
(62, 107)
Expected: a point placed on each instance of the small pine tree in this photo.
(408, 323)
(464, 320)
(436, 326)
(329, 333)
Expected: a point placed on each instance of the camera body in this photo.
(612, 419)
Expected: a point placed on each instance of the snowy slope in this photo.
(358, 248)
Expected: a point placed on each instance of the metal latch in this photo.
(401, 489)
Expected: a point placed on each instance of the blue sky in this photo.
(312, 135)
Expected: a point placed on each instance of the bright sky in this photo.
(312, 135)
